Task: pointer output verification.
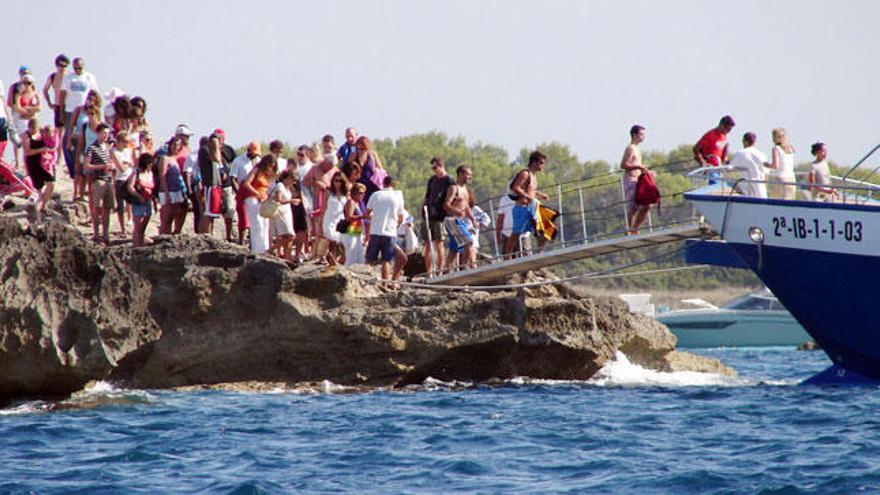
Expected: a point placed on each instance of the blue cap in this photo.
(24, 69)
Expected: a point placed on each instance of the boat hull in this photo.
(734, 329)
(822, 263)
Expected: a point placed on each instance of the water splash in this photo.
(622, 373)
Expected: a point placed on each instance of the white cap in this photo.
(114, 93)
(183, 130)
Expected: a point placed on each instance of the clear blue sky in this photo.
(514, 73)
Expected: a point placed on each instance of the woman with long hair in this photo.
(255, 190)
(85, 120)
(171, 194)
(140, 185)
(353, 238)
(282, 225)
(783, 162)
(337, 196)
(372, 172)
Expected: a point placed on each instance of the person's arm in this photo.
(724, 158)
(32, 111)
(698, 156)
(777, 159)
(46, 88)
(449, 199)
(163, 180)
(377, 161)
(248, 185)
(15, 104)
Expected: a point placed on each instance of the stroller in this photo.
(11, 182)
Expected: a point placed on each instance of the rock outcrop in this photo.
(195, 310)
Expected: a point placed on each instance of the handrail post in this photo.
(583, 212)
(494, 221)
(561, 218)
(623, 198)
(434, 260)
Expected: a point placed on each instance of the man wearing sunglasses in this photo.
(74, 88)
(54, 82)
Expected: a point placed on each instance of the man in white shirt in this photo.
(276, 147)
(751, 162)
(385, 211)
(504, 222)
(241, 167)
(74, 88)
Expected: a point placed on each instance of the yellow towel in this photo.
(544, 222)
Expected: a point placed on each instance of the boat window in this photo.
(777, 306)
(751, 303)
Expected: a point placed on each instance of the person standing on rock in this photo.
(385, 209)
(435, 198)
(525, 195)
(460, 221)
(103, 199)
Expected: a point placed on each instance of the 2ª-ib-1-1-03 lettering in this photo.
(813, 228)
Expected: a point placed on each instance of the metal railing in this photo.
(577, 222)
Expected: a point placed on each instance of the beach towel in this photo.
(545, 222)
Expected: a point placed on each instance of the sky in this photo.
(513, 73)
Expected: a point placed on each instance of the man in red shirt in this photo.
(711, 149)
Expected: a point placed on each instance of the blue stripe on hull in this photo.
(834, 296)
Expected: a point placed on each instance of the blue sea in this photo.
(628, 430)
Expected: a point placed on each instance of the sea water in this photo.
(629, 430)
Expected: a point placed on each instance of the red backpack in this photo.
(647, 192)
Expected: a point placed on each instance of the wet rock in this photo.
(196, 311)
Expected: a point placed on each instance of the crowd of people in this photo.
(334, 204)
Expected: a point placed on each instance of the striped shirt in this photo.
(99, 155)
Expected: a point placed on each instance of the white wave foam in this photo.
(26, 408)
(622, 373)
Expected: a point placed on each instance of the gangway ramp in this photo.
(503, 268)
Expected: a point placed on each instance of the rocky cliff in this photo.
(195, 310)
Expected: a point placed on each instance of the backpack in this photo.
(512, 195)
(647, 192)
(134, 199)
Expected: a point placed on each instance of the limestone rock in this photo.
(196, 311)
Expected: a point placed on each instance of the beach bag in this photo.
(342, 226)
(134, 199)
(647, 192)
(214, 201)
(269, 208)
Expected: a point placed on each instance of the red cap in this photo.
(220, 132)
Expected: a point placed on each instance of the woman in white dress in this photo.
(783, 163)
(282, 224)
(353, 238)
(337, 196)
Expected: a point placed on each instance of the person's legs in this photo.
(639, 217)
(179, 216)
(106, 211)
(400, 259)
(94, 214)
(166, 212)
(44, 200)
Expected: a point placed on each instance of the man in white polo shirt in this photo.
(385, 210)
(752, 163)
(74, 88)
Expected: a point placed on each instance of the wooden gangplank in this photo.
(503, 268)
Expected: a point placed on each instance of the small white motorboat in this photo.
(754, 320)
